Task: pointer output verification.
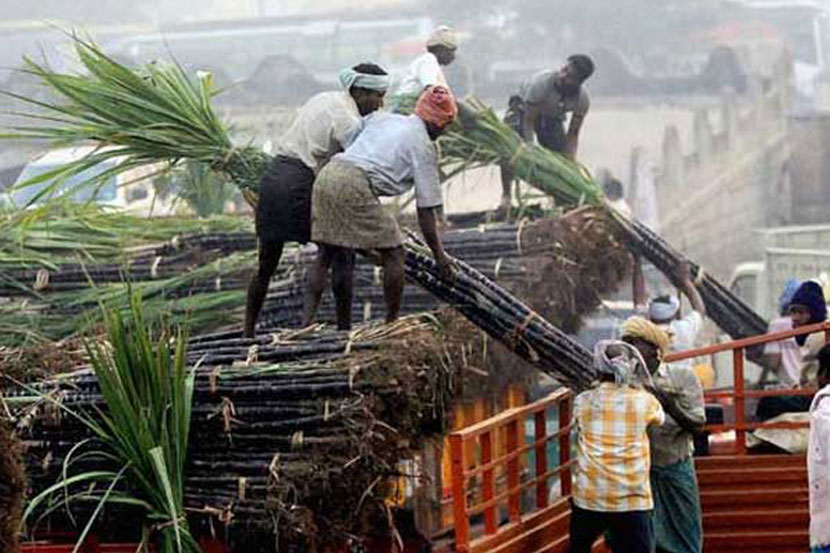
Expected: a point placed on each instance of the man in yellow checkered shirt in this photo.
(611, 489)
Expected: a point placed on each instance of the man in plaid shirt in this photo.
(611, 486)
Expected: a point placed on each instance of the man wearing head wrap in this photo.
(611, 489)
(393, 154)
(677, 517)
(540, 109)
(323, 126)
(664, 310)
(426, 70)
(783, 358)
(794, 359)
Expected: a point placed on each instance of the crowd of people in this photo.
(634, 479)
(345, 151)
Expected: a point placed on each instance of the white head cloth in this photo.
(443, 36)
(628, 366)
(661, 311)
(349, 78)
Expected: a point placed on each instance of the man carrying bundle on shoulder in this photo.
(392, 154)
(541, 107)
(611, 490)
(677, 516)
(325, 125)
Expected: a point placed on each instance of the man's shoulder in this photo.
(427, 58)
(538, 86)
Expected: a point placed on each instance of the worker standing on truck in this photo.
(664, 310)
(783, 357)
(611, 490)
(677, 516)
(323, 126)
(392, 154)
(818, 458)
(427, 69)
(794, 359)
(540, 108)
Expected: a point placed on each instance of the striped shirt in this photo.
(613, 462)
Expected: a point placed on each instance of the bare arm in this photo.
(671, 406)
(638, 283)
(531, 114)
(572, 139)
(690, 289)
(428, 221)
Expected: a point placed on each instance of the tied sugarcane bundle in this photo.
(159, 114)
(731, 313)
(483, 139)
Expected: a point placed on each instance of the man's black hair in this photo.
(369, 69)
(665, 298)
(613, 188)
(583, 65)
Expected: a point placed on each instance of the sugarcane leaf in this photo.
(98, 508)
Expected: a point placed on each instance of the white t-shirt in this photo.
(424, 71)
(684, 334)
(818, 469)
(396, 153)
(324, 125)
(789, 373)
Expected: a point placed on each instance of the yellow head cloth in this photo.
(638, 327)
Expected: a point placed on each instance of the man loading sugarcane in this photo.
(392, 154)
(664, 310)
(677, 517)
(427, 69)
(541, 107)
(324, 125)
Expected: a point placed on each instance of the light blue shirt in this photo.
(396, 153)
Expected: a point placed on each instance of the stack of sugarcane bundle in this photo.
(205, 296)
(298, 431)
(158, 114)
(58, 233)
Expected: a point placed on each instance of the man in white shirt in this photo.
(664, 311)
(392, 155)
(325, 125)
(818, 458)
(426, 70)
(794, 359)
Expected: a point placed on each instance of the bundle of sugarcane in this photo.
(560, 266)
(734, 316)
(304, 438)
(483, 139)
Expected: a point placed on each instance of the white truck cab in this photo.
(130, 191)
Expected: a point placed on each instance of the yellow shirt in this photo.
(612, 461)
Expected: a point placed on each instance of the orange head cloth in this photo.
(437, 106)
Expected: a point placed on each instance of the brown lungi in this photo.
(346, 213)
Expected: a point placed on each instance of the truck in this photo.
(132, 191)
(789, 252)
